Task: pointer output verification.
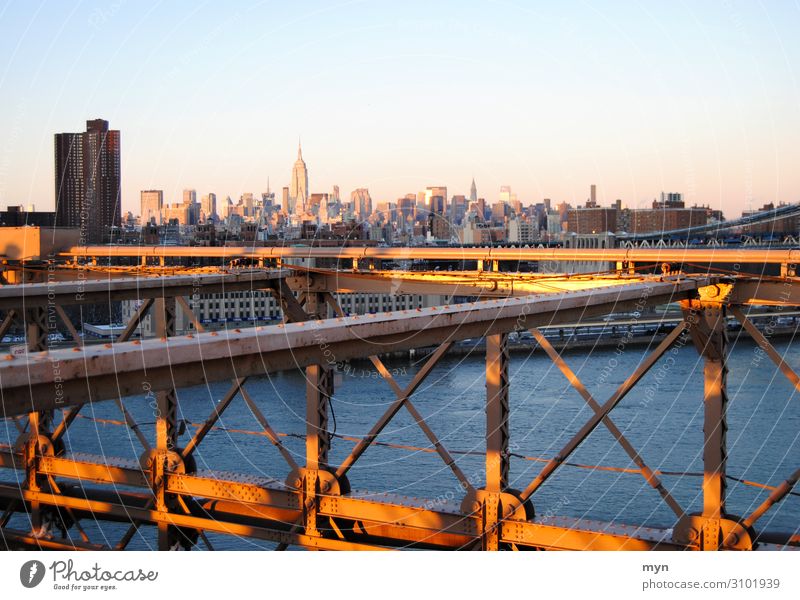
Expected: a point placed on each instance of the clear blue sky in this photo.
(697, 97)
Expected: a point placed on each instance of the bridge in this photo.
(52, 488)
(711, 231)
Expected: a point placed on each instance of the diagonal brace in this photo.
(440, 449)
(576, 383)
(778, 494)
(273, 437)
(379, 426)
(215, 415)
(764, 344)
(605, 409)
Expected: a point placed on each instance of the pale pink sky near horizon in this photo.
(635, 98)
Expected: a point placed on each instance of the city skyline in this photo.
(637, 99)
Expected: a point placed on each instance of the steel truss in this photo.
(311, 504)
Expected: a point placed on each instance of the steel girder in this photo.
(139, 286)
(488, 254)
(94, 373)
(360, 520)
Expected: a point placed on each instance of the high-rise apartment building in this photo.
(583, 220)
(87, 181)
(152, 206)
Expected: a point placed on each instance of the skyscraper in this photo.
(473, 192)
(208, 207)
(152, 206)
(285, 200)
(298, 189)
(436, 199)
(87, 181)
(361, 202)
(458, 208)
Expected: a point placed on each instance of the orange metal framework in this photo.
(311, 503)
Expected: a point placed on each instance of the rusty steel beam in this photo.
(131, 422)
(135, 287)
(778, 494)
(576, 383)
(187, 310)
(268, 431)
(136, 319)
(215, 415)
(648, 255)
(69, 416)
(7, 322)
(483, 284)
(375, 518)
(707, 320)
(393, 409)
(498, 460)
(765, 291)
(172, 519)
(68, 324)
(165, 310)
(271, 504)
(119, 370)
(15, 539)
(768, 348)
(319, 390)
(423, 425)
(400, 395)
(605, 409)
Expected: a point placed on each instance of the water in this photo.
(662, 418)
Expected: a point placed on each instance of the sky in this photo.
(549, 98)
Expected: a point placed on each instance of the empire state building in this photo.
(298, 189)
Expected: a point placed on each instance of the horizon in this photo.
(635, 99)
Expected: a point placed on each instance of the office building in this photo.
(152, 206)
(208, 207)
(361, 203)
(298, 189)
